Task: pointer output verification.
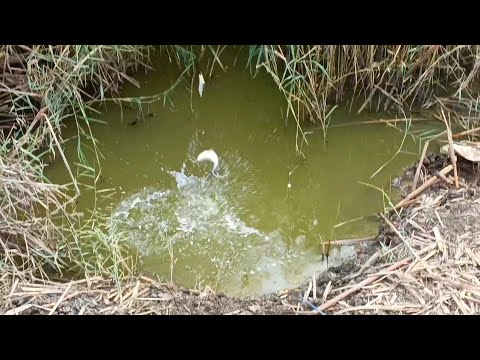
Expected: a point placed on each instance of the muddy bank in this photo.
(135, 297)
(426, 260)
(145, 296)
(427, 257)
(142, 296)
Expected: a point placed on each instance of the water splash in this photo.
(213, 236)
(200, 213)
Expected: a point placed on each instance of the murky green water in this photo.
(257, 229)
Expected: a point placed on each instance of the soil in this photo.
(455, 212)
(100, 297)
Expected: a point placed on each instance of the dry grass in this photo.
(140, 296)
(25, 235)
(314, 78)
(43, 86)
(431, 264)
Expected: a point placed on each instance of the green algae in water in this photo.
(259, 228)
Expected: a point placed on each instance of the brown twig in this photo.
(395, 230)
(365, 282)
(351, 241)
(367, 263)
(60, 299)
(425, 186)
(466, 132)
(451, 151)
(420, 163)
(395, 308)
(381, 121)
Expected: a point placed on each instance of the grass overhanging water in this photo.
(44, 86)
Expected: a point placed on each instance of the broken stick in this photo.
(352, 241)
(425, 186)
(451, 151)
(365, 282)
(420, 163)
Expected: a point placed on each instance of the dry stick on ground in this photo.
(381, 121)
(365, 282)
(466, 132)
(395, 230)
(351, 241)
(396, 265)
(451, 151)
(363, 267)
(369, 280)
(444, 178)
(404, 307)
(60, 299)
(426, 185)
(420, 163)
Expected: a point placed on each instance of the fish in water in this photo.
(209, 155)
(201, 84)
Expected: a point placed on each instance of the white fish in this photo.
(209, 155)
(201, 84)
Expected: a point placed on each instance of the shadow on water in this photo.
(260, 227)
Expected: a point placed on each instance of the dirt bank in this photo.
(427, 258)
(426, 261)
(144, 296)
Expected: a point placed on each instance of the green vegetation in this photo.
(316, 78)
(42, 87)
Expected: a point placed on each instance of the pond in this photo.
(262, 225)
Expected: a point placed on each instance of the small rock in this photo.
(254, 308)
(409, 173)
(397, 182)
(331, 275)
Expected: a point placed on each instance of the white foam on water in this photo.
(200, 215)
(203, 217)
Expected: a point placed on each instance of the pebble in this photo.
(254, 308)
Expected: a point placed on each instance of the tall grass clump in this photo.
(315, 78)
(41, 87)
